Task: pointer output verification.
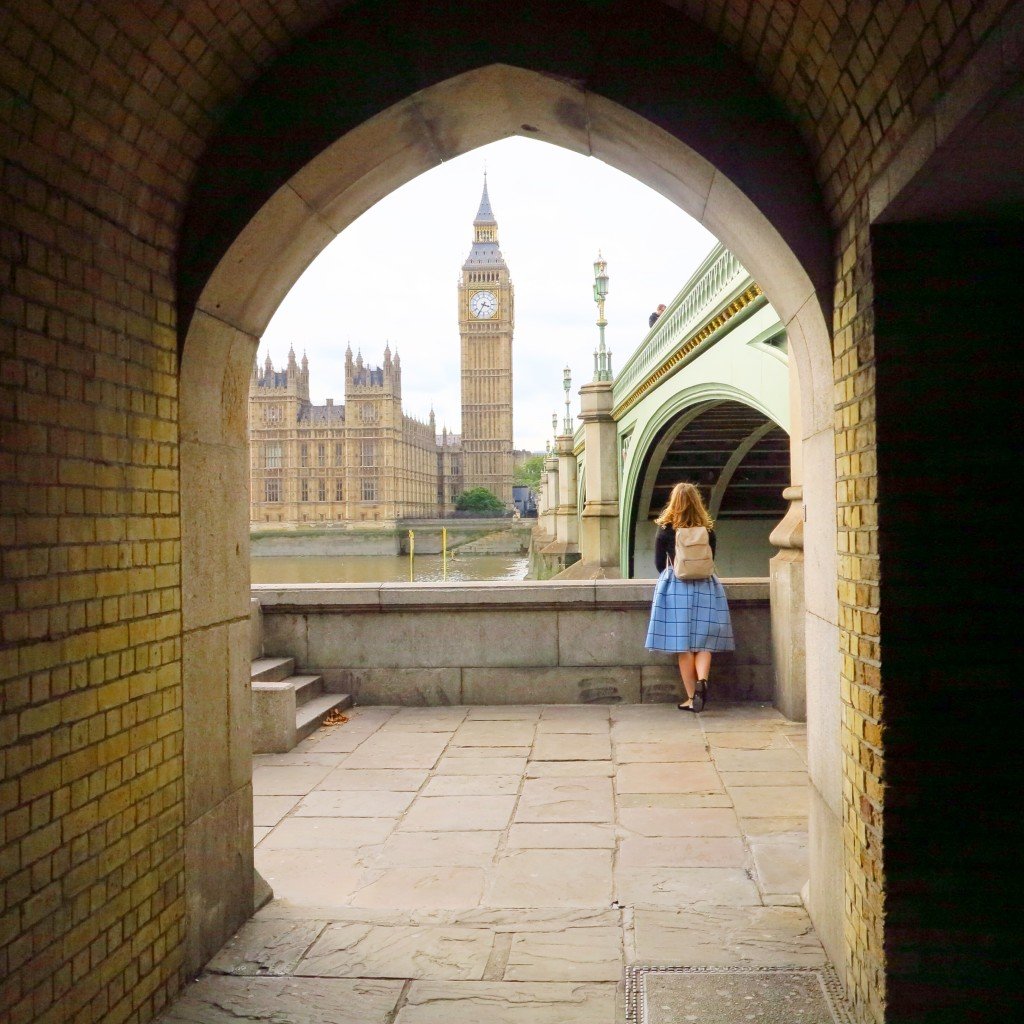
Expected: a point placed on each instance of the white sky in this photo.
(392, 276)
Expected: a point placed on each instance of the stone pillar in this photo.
(599, 528)
(567, 525)
(550, 495)
(786, 570)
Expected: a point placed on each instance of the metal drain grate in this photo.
(734, 995)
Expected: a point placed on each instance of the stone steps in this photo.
(271, 670)
(287, 707)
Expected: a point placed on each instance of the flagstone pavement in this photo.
(504, 864)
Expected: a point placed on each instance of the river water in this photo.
(385, 568)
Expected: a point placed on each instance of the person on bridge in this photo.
(653, 318)
(689, 617)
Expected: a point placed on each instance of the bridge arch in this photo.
(648, 449)
(718, 148)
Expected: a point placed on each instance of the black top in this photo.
(665, 546)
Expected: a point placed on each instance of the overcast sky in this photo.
(392, 277)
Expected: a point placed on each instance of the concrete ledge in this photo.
(437, 596)
(502, 643)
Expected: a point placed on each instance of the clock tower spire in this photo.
(486, 319)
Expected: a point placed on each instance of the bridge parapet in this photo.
(502, 643)
(716, 283)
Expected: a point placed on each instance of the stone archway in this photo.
(232, 285)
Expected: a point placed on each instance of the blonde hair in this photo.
(685, 508)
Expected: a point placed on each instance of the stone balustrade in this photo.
(571, 642)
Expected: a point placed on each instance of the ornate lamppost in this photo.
(602, 357)
(566, 385)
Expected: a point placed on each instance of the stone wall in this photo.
(492, 643)
(116, 116)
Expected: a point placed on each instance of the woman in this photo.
(688, 617)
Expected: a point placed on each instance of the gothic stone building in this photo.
(366, 461)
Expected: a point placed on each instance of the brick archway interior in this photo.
(258, 266)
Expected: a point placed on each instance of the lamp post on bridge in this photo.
(566, 386)
(599, 522)
(602, 357)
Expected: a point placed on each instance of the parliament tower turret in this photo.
(486, 317)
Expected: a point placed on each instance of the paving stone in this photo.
(266, 947)
(572, 720)
(518, 920)
(450, 765)
(730, 779)
(566, 799)
(406, 888)
(658, 821)
(507, 1002)
(753, 827)
(573, 954)
(760, 740)
(685, 731)
(502, 713)
(459, 813)
(575, 836)
(770, 801)
(311, 879)
(763, 936)
(738, 718)
(574, 712)
(494, 734)
(720, 799)
(650, 777)
(361, 950)
(774, 760)
(488, 752)
(572, 747)
(664, 751)
(328, 833)
(674, 887)
(551, 878)
(472, 785)
(281, 780)
(682, 851)
(299, 757)
(269, 810)
(398, 750)
(436, 849)
(425, 720)
(326, 803)
(215, 999)
(781, 863)
(399, 780)
(799, 744)
(572, 769)
(341, 740)
(259, 833)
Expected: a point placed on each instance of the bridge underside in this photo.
(739, 458)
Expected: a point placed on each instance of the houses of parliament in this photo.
(366, 460)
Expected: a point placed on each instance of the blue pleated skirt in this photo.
(689, 615)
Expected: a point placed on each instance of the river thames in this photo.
(385, 568)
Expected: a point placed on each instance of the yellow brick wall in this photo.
(106, 109)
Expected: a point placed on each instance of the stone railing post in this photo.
(550, 490)
(599, 526)
(567, 519)
(786, 570)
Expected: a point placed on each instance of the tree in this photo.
(479, 499)
(528, 472)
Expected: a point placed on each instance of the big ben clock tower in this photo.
(485, 325)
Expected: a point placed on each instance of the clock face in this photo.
(483, 305)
